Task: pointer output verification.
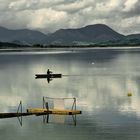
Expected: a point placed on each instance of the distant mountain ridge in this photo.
(23, 36)
(88, 35)
(136, 36)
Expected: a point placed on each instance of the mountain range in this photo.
(23, 36)
(86, 35)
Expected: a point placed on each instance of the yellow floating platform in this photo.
(38, 111)
(129, 94)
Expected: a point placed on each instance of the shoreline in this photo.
(24, 49)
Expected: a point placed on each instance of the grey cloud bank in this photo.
(49, 16)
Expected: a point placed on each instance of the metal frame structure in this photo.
(46, 106)
(19, 111)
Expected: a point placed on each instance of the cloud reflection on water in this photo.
(103, 85)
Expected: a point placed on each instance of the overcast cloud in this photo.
(50, 15)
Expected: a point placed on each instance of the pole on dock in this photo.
(19, 112)
(45, 106)
(74, 108)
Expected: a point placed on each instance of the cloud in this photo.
(43, 18)
(132, 10)
(74, 6)
(129, 4)
(129, 24)
(51, 15)
(107, 6)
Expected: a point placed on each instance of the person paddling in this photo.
(48, 72)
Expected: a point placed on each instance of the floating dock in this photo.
(38, 111)
(45, 111)
(11, 115)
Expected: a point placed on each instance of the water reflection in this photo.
(99, 79)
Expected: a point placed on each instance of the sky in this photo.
(50, 15)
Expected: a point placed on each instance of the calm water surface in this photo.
(100, 80)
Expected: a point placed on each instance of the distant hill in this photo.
(91, 33)
(5, 45)
(98, 34)
(132, 36)
(23, 36)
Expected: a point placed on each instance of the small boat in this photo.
(40, 76)
(49, 76)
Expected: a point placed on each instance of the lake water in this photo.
(100, 79)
